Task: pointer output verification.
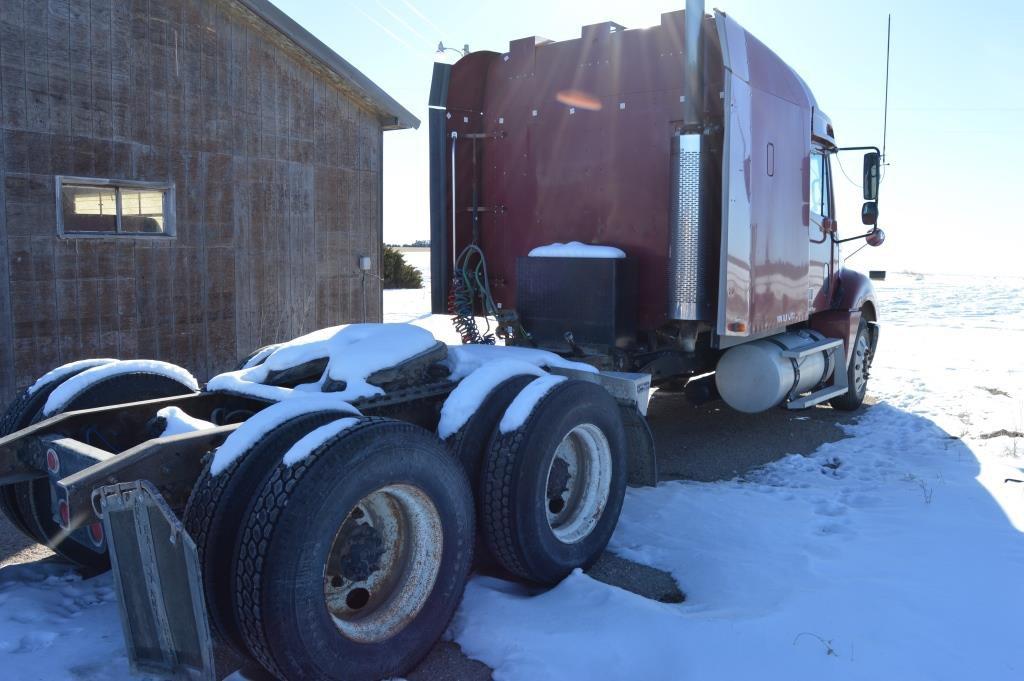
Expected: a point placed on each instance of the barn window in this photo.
(96, 207)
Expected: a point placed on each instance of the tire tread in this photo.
(496, 508)
(256, 535)
(510, 536)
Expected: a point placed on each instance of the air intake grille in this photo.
(686, 274)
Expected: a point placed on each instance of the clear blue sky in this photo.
(956, 121)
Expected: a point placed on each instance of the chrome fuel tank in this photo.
(756, 376)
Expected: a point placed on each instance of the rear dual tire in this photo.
(218, 508)
(28, 504)
(20, 414)
(551, 490)
(322, 592)
(469, 444)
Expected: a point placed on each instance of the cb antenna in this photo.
(885, 115)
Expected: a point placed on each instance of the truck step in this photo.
(817, 397)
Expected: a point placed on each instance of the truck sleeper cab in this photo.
(317, 510)
(692, 148)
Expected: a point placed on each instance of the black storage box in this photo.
(592, 298)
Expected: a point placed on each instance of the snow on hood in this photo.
(74, 386)
(262, 422)
(468, 395)
(575, 249)
(64, 370)
(465, 359)
(354, 353)
(179, 422)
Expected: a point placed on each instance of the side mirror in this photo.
(869, 213)
(875, 238)
(872, 163)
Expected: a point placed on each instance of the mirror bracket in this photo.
(865, 235)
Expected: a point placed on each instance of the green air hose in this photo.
(469, 284)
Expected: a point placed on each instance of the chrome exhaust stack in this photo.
(693, 76)
(688, 294)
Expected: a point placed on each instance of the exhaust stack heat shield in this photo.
(688, 295)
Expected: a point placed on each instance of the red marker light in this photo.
(96, 533)
(65, 513)
(52, 461)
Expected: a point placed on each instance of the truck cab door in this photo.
(821, 227)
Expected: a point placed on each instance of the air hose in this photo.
(470, 281)
(460, 306)
(469, 284)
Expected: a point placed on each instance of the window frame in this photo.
(820, 203)
(826, 164)
(168, 189)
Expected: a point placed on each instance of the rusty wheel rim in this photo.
(383, 563)
(578, 483)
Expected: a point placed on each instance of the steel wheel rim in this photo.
(578, 483)
(383, 563)
(860, 364)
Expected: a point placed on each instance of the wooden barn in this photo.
(183, 180)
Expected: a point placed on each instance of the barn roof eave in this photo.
(394, 116)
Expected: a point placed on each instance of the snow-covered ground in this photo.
(893, 554)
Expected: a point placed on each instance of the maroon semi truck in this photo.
(316, 512)
(699, 153)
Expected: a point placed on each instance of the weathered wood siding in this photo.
(277, 174)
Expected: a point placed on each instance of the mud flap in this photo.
(158, 583)
(643, 461)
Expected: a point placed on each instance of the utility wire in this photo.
(843, 170)
(412, 29)
(387, 31)
(422, 16)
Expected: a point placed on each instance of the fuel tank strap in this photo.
(796, 368)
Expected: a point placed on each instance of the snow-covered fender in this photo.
(854, 299)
